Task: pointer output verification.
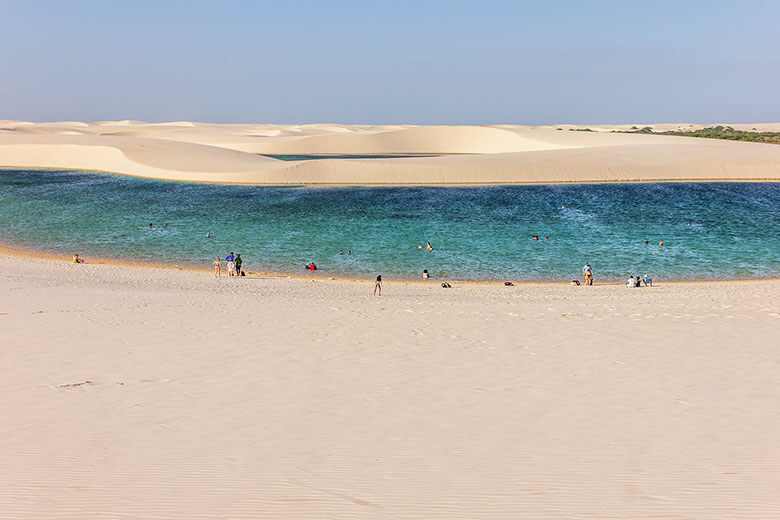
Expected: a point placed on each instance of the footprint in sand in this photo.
(74, 385)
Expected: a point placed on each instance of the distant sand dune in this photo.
(208, 152)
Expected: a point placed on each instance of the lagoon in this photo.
(710, 230)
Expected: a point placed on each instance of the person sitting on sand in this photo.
(425, 274)
(648, 281)
(217, 268)
(428, 246)
(77, 260)
(630, 282)
(378, 285)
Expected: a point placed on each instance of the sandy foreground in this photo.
(134, 392)
(498, 154)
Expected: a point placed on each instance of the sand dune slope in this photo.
(472, 154)
(154, 393)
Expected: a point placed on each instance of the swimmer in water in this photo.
(349, 252)
(535, 237)
(428, 246)
(661, 243)
(646, 241)
(419, 246)
(150, 225)
(208, 234)
(341, 252)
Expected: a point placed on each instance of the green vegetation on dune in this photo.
(714, 132)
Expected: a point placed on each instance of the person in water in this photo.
(535, 237)
(419, 246)
(661, 243)
(349, 252)
(646, 241)
(341, 252)
(150, 225)
(378, 285)
(217, 268)
(208, 234)
(428, 246)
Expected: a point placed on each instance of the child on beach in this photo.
(217, 268)
(231, 267)
(77, 260)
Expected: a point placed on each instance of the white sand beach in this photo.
(133, 392)
(498, 154)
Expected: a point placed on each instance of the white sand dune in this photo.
(484, 154)
(158, 393)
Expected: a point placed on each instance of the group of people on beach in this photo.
(233, 264)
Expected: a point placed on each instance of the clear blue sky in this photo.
(424, 62)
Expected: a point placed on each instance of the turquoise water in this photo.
(476, 232)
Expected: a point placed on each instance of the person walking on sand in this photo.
(217, 268)
(378, 285)
(587, 272)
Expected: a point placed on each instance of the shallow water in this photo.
(477, 232)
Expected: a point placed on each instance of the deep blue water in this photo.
(476, 232)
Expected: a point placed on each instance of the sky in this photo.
(391, 62)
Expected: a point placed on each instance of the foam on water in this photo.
(477, 232)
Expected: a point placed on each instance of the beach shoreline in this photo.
(19, 252)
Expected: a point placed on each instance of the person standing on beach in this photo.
(587, 272)
(238, 264)
(231, 267)
(378, 285)
(217, 268)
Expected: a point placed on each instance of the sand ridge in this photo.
(495, 154)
